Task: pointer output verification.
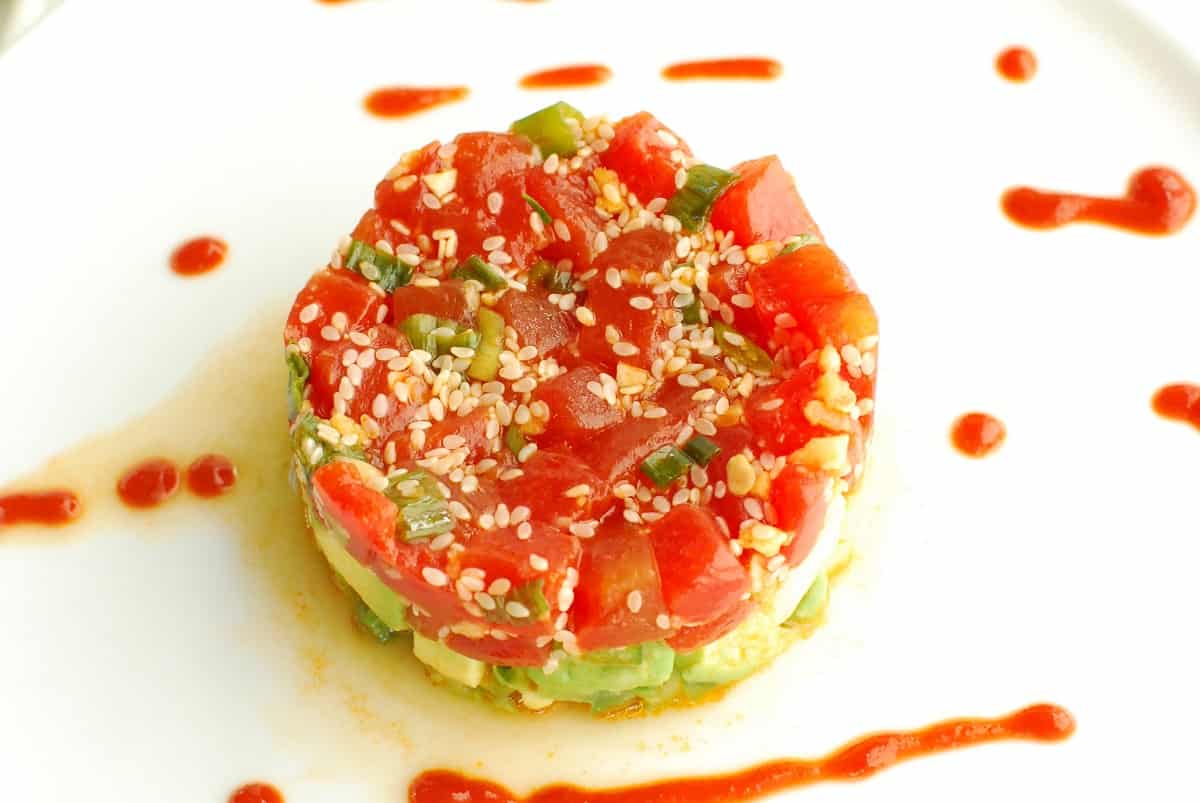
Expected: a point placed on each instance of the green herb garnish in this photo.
(692, 203)
(666, 465)
(701, 450)
(488, 275)
(741, 349)
(549, 130)
(376, 266)
(297, 382)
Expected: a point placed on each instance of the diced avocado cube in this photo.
(453, 665)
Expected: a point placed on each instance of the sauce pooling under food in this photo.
(740, 68)
(198, 255)
(857, 760)
(257, 792)
(1179, 402)
(573, 75)
(977, 434)
(1017, 64)
(1158, 201)
(402, 101)
(40, 507)
(211, 475)
(149, 483)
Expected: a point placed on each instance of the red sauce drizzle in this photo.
(40, 507)
(855, 761)
(401, 101)
(977, 434)
(1016, 64)
(149, 483)
(256, 792)
(199, 255)
(211, 475)
(573, 75)
(1179, 402)
(752, 68)
(1157, 201)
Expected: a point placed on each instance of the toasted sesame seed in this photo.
(309, 313)
(560, 229)
(538, 563)
(576, 491)
(624, 349)
(585, 316)
(582, 529)
(330, 333)
(516, 610)
(485, 601)
(524, 531)
(633, 601)
(435, 577)
(526, 452)
(632, 516)
(641, 302)
(612, 277)
(441, 541)
(495, 201)
(662, 621)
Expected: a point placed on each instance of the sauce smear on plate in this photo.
(573, 75)
(149, 483)
(257, 792)
(1158, 201)
(1016, 64)
(211, 475)
(1178, 402)
(744, 68)
(857, 760)
(977, 434)
(198, 255)
(402, 101)
(40, 507)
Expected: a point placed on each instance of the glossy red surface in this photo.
(1179, 402)
(575, 75)
(39, 507)
(1016, 64)
(740, 68)
(977, 434)
(1158, 200)
(402, 101)
(256, 793)
(211, 475)
(858, 760)
(199, 255)
(149, 483)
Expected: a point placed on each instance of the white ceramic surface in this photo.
(146, 666)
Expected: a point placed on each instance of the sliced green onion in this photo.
(691, 313)
(418, 329)
(297, 382)
(549, 130)
(666, 465)
(742, 349)
(693, 202)
(488, 275)
(486, 364)
(425, 517)
(305, 429)
(514, 439)
(536, 207)
(532, 597)
(541, 272)
(798, 243)
(701, 450)
(561, 282)
(375, 266)
(372, 623)
(813, 601)
(444, 335)
(466, 338)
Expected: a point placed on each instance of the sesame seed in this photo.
(632, 516)
(560, 228)
(583, 529)
(704, 394)
(500, 586)
(576, 491)
(485, 601)
(495, 201)
(442, 541)
(612, 277)
(526, 452)
(459, 510)
(624, 349)
(773, 404)
(662, 621)
(753, 507)
(435, 577)
(585, 316)
(309, 313)
(516, 610)
(524, 531)
(330, 333)
(642, 302)
(454, 441)
(379, 407)
(538, 563)
(527, 353)
(634, 601)
(487, 521)
(525, 385)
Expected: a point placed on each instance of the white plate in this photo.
(174, 655)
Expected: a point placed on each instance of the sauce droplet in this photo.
(574, 75)
(744, 68)
(199, 255)
(40, 507)
(977, 434)
(855, 761)
(256, 793)
(402, 101)
(1178, 402)
(149, 483)
(1157, 201)
(1016, 64)
(211, 475)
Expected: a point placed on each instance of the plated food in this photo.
(582, 412)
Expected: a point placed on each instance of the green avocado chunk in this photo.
(453, 665)
(385, 603)
(600, 673)
(732, 657)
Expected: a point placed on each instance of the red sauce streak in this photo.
(753, 68)
(977, 434)
(1179, 402)
(1157, 201)
(574, 75)
(1016, 64)
(149, 483)
(40, 507)
(197, 256)
(211, 475)
(855, 761)
(402, 101)
(256, 793)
